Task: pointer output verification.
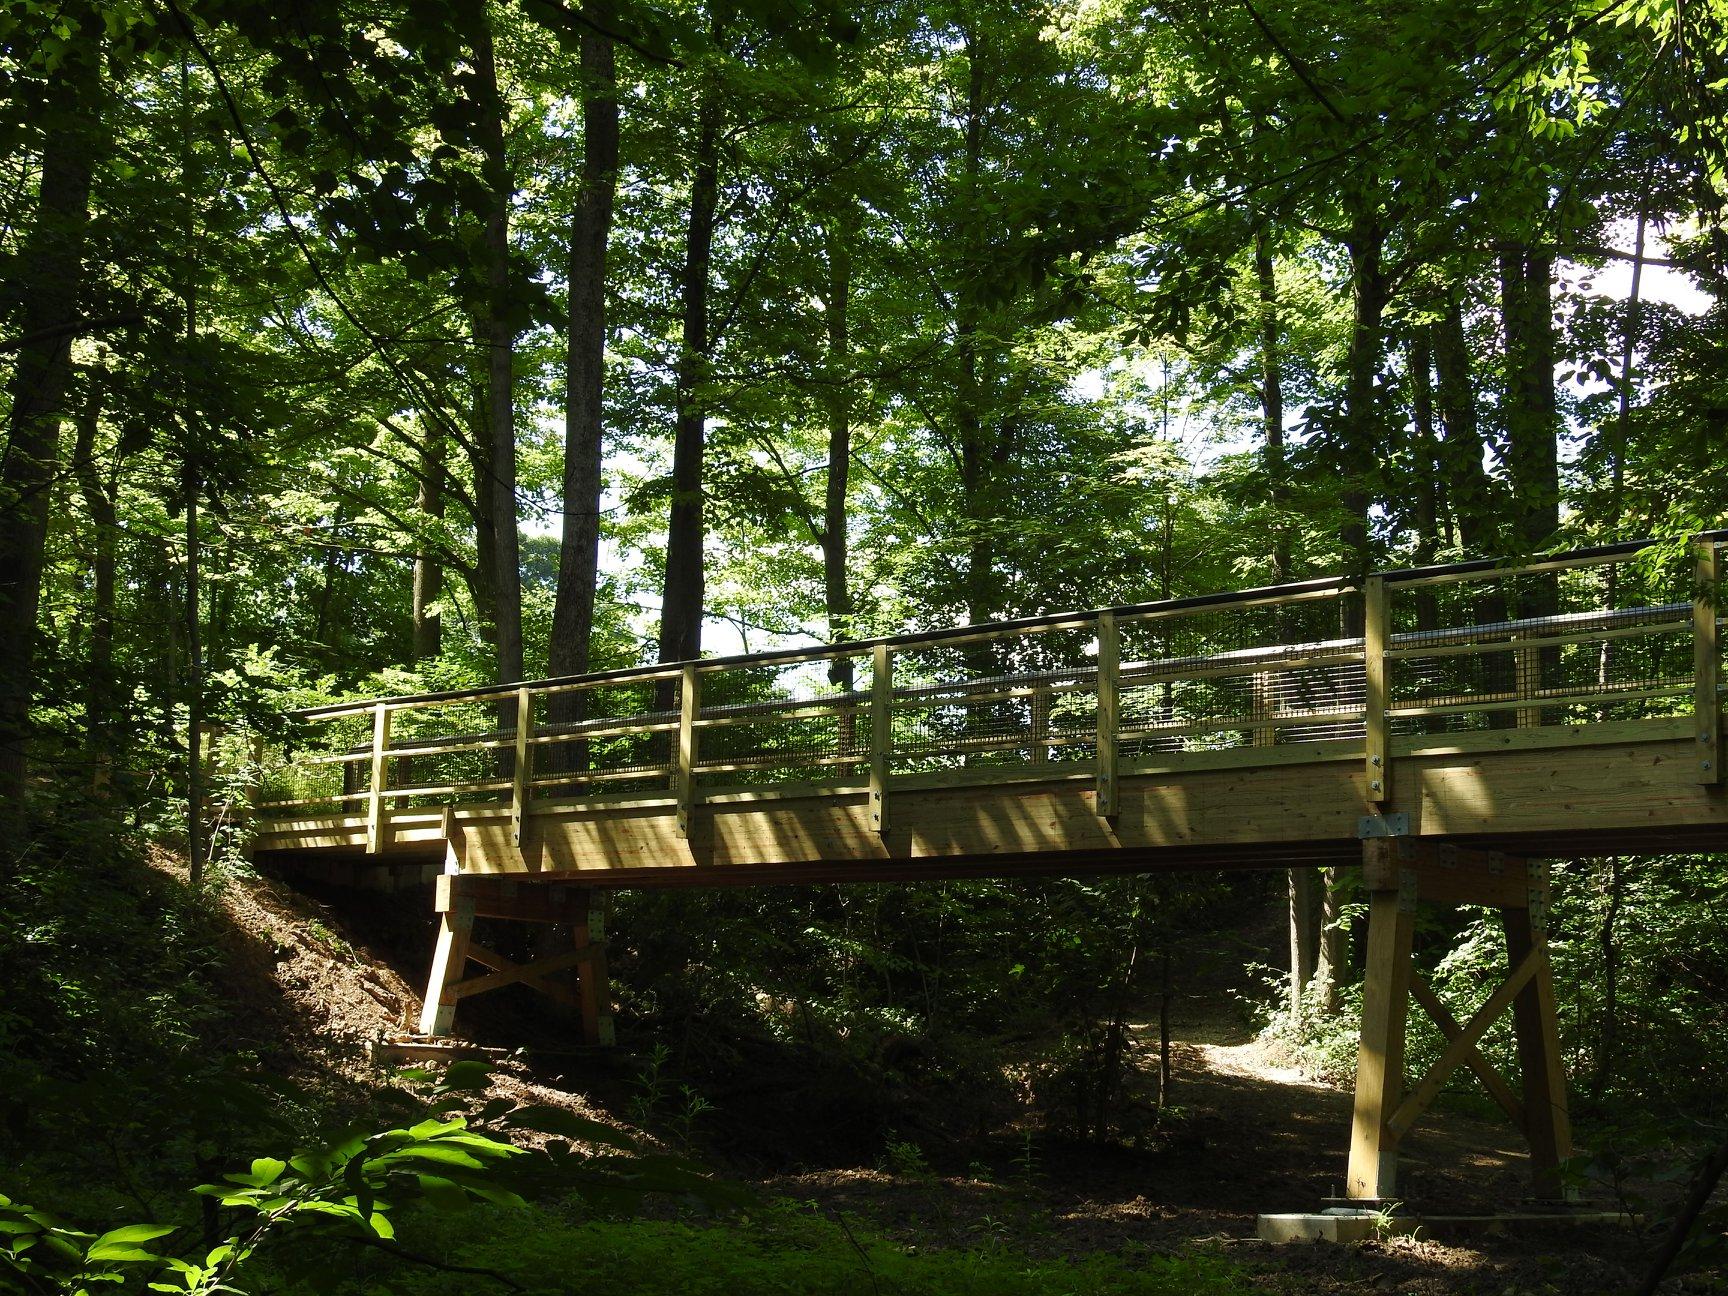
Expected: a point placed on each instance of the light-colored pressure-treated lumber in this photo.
(1376, 630)
(1372, 1174)
(1106, 799)
(1706, 665)
(380, 768)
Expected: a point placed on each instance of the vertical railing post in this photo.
(689, 708)
(1040, 724)
(380, 764)
(522, 770)
(1706, 664)
(1109, 712)
(1376, 627)
(881, 733)
(1527, 678)
(1264, 735)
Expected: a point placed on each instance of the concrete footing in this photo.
(1342, 1224)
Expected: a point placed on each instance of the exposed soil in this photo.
(1251, 1135)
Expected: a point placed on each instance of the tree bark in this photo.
(1532, 416)
(1272, 404)
(585, 363)
(51, 281)
(498, 338)
(428, 623)
(836, 588)
(1362, 431)
(105, 529)
(1469, 487)
(682, 596)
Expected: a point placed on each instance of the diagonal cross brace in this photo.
(1461, 1045)
(509, 973)
(1484, 1070)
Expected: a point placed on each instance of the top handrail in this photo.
(953, 635)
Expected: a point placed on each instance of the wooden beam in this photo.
(1461, 1045)
(449, 955)
(375, 810)
(594, 987)
(1536, 1023)
(502, 897)
(512, 973)
(1483, 1069)
(881, 733)
(489, 958)
(1107, 802)
(1449, 874)
(684, 777)
(1373, 1167)
(1706, 665)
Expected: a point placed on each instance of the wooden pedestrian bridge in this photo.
(1447, 729)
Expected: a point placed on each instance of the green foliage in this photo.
(351, 1188)
(784, 1250)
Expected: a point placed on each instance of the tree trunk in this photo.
(1532, 417)
(50, 274)
(498, 336)
(1362, 430)
(1469, 487)
(1272, 405)
(585, 364)
(836, 590)
(1304, 912)
(428, 632)
(1425, 459)
(682, 597)
(98, 496)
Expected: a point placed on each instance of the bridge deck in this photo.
(1564, 707)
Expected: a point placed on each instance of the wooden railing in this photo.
(1326, 669)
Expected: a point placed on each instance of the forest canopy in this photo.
(448, 343)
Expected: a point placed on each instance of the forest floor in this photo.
(1246, 1134)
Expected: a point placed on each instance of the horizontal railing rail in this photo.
(1561, 640)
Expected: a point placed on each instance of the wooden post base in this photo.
(1398, 872)
(460, 899)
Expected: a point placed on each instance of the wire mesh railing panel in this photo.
(618, 736)
(1591, 644)
(1234, 675)
(1024, 699)
(805, 721)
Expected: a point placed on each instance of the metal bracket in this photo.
(1396, 824)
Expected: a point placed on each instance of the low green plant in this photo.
(350, 1189)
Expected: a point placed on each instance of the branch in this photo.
(96, 325)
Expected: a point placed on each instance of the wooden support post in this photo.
(1304, 931)
(1373, 1167)
(522, 770)
(1376, 628)
(375, 813)
(1109, 712)
(1706, 665)
(449, 957)
(684, 777)
(881, 733)
(1040, 724)
(595, 988)
(1536, 1022)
